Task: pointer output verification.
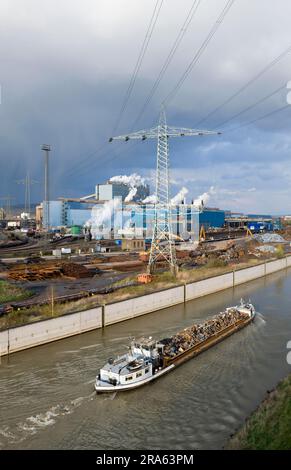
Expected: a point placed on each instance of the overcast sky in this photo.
(65, 69)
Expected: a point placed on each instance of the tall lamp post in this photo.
(46, 148)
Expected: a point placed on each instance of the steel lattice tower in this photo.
(28, 182)
(163, 246)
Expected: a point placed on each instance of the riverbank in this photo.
(39, 331)
(269, 427)
(224, 383)
(160, 282)
(10, 292)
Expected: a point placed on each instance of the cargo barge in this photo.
(148, 359)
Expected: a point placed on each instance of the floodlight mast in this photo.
(46, 148)
(163, 245)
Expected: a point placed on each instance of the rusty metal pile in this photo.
(37, 272)
(196, 334)
(226, 251)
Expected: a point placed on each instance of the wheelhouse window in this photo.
(138, 374)
(129, 377)
(146, 370)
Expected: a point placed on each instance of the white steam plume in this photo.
(131, 194)
(132, 181)
(180, 196)
(152, 199)
(100, 214)
(204, 198)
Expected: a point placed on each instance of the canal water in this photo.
(47, 398)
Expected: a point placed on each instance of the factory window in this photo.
(129, 377)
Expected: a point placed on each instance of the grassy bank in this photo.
(269, 427)
(166, 279)
(10, 292)
(161, 281)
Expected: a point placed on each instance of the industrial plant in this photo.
(144, 208)
(109, 215)
(112, 212)
(123, 214)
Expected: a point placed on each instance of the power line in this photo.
(87, 162)
(118, 153)
(83, 168)
(78, 166)
(153, 20)
(90, 166)
(259, 118)
(162, 246)
(248, 108)
(90, 163)
(244, 87)
(138, 64)
(28, 182)
(169, 58)
(200, 51)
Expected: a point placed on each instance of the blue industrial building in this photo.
(64, 213)
(119, 210)
(116, 219)
(212, 218)
(254, 222)
(109, 214)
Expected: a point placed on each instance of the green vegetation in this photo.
(207, 271)
(215, 263)
(161, 281)
(269, 427)
(10, 292)
(280, 252)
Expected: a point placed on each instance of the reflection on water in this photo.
(48, 400)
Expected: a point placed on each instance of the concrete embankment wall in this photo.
(276, 265)
(248, 274)
(208, 286)
(131, 308)
(3, 343)
(45, 331)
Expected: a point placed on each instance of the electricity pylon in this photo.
(28, 182)
(162, 246)
(7, 200)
